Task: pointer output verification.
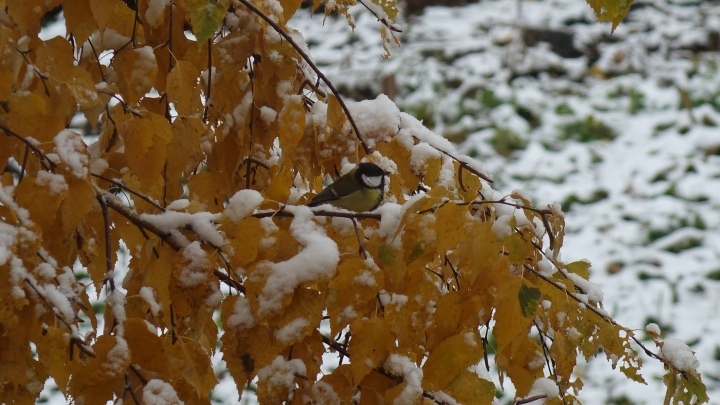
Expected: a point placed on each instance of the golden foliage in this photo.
(186, 219)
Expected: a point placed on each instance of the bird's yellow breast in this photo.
(361, 200)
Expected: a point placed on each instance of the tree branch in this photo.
(314, 67)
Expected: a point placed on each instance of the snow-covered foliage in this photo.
(622, 129)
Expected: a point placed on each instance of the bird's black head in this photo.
(370, 175)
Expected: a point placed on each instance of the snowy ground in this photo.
(624, 133)
(622, 130)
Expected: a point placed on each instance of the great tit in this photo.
(360, 189)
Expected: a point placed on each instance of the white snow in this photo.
(197, 266)
(411, 374)
(318, 259)
(242, 203)
(241, 317)
(155, 13)
(148, 295)
(292, 331)
(158, 392)
(117, 358)
(677, 353)
(55, 182)
(69, 147)
(543, 387)
(281, 374)
(203, 223)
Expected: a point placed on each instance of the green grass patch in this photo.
(505, 142)
(588, 130)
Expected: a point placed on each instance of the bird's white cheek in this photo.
(372, 181)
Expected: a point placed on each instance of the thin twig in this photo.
(36, 71)
(529, 400)
(24, 163)
(137, 373)
(122, 102)
(129, 190)
(114, 203)
(463, 164)
(209, 85)
(73, 339)
(319, 213)
(43, 158)
(108, 251)
(382, 20)
(129, 390)
(600, 314)
(455, 273)
(362, 249)
(97, 58)
(340, 349)
(314, 67)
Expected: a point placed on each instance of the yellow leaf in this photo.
(468, 388)
(99, 377)
(450, 226)
(192, 362)
(74, 209)
(79, 19)
(122, 21)
(22, 376)
(146, 142)
(157, 275)
(289, 8)
(209, 188)
(248, 351)
(7, 144)
(280, 184)
(245, 241)
(564, 353)
(467, 184)
(454, 312)
(580, 267)
(341, 381)
(136, 69)
(42, 198)
(52, 350)
(389, 7)
(299, 318)
(183, 88)
(336, 142)
(393, 266)
(29, 116)
(514, 351)
(292, 123)
(373, 388)
(354, 286)
(613, 11)
(370, 345)
(184, 154)
(147, 349)
(27, 14)
(192, 282)
(102, 11)
(6, 82)
(310, 350)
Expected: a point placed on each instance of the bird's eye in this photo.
(372, 181)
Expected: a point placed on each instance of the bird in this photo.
(361, 189)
